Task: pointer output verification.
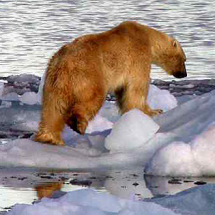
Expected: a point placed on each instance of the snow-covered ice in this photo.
(40, 90)
(10, 97)
(1, 88)
(161, 99)
(179, 142)
(99, 124)
(89, 202)
(192, 152)
(30, 98)
(194, 201)
(23, 78)
(131, 131)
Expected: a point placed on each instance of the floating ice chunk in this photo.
(68, 134)
(110, 111)
(5, 104)
(89, 202)
(187, 86)
(132, 130)
(30, 98)
(10, 97)
(89, 153)
(23, 78)
(161, 99)
(19, 114)
(97, 143)
(1, 89)
(185, 98)
(195, 201)
(189, 119)
(203, 148)
(40, 91)
(183, 146)
(175, 159)
(186, 159)
(26, 126)
(99, 124)
(193, 123)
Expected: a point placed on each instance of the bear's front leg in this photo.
(77, 123)
(135, 96)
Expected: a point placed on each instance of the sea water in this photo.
(31, 31)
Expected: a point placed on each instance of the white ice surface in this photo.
(161, 99)
(192, 154)
(184, 144)
(40, 90)
(1, 88)
(157, 99)
(89, 202)
(30, 98)
(132, 130)
(10, 97)
(23, 78)
(99, 124)
(193, 201)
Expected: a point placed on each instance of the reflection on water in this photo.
(47, 190)
(27, 187)
(34, 30)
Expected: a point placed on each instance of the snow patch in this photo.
(89, 202)
(161, 99)
(131, 131)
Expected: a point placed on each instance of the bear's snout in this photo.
(180, 74)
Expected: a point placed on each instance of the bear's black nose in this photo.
(180, 74)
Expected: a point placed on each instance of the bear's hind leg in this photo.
(83, 112)
(50, 128)
(78, 120)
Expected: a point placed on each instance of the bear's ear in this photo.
(174, 43)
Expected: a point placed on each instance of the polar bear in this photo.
(82, 72)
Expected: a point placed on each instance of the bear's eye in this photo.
(174, 43)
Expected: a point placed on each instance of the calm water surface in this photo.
(26, 187)
(31, 31)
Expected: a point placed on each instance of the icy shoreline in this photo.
(193, 201)
(30, 83)
(17, 85)
(178, 143)
(172, 139)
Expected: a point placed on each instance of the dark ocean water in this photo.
(31, 31)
